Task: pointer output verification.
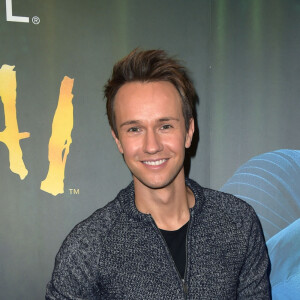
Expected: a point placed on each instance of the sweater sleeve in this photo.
(75, 271)
(254, 278)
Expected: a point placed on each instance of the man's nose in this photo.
(152, 142)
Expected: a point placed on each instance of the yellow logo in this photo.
(60, 140)
(11, 136)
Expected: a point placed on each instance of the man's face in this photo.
(151, 132)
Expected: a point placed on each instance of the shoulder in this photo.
(89, 235)
(232, 213)
(223, 208)
(99, 223)
(227, 203)
(229, 206)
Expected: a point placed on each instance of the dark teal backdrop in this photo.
(243, 58)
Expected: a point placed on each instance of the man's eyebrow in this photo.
(166, 119)
(131, 122)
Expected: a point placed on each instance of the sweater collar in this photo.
(126, 197)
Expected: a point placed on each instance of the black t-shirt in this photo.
(176, 241)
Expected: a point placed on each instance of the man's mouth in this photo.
(154, 162)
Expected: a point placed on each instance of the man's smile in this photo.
(154, 162)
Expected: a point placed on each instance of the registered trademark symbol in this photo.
(36, 20)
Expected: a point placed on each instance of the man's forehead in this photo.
(146, 92)
(151, 96)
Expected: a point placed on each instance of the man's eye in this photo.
(166, 126)
(133, 129)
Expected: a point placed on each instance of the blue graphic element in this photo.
(284, 251)
(270, 182)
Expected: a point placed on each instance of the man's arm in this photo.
(254, 277)
(75, 271)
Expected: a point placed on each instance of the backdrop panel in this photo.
(55, 57)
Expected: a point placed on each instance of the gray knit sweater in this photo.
(119, 253)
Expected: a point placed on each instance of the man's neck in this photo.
(168, 206)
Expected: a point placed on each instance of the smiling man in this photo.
(164, 236)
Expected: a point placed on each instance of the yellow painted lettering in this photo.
(60, 140)
(11, 136)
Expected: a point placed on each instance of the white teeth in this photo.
(155, 163)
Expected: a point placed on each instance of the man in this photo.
(164, 236)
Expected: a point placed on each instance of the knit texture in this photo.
(119, 253)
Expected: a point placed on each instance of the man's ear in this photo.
(117, 142)
(189, 134)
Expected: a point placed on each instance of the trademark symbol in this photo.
(36, 20)
(74, 191)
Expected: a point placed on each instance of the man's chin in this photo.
(154, 184)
